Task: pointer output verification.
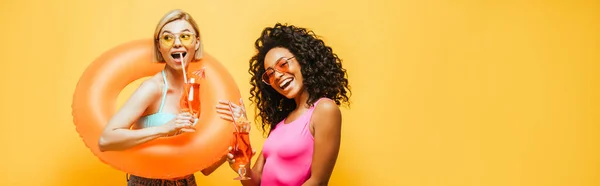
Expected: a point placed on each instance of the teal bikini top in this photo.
(159, 118)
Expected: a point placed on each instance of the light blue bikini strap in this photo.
(164, 94)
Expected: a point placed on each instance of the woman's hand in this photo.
(225, 108)
(182, 123)
(231, 159)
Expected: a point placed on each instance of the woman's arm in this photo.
(117, 134)
(209, 170)
(327, 124)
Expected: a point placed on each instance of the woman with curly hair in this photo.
(298, 84)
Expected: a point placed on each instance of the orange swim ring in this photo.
(94, 103)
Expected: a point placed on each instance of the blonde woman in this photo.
(153, 110)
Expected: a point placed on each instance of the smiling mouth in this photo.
(176, 55)
(285, 83)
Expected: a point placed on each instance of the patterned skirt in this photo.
(188, 180)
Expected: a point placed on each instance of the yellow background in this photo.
(482, 93)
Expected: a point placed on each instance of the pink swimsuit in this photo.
(288, 152)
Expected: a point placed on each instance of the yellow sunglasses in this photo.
(167, 40)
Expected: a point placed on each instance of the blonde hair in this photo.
(171, 16)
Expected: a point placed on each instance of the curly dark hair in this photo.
(321, 70)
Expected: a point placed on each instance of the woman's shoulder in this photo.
(325, 102)
(326, 116)
(326, 107)
(152, 85)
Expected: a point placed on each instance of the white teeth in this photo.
(284, 82)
